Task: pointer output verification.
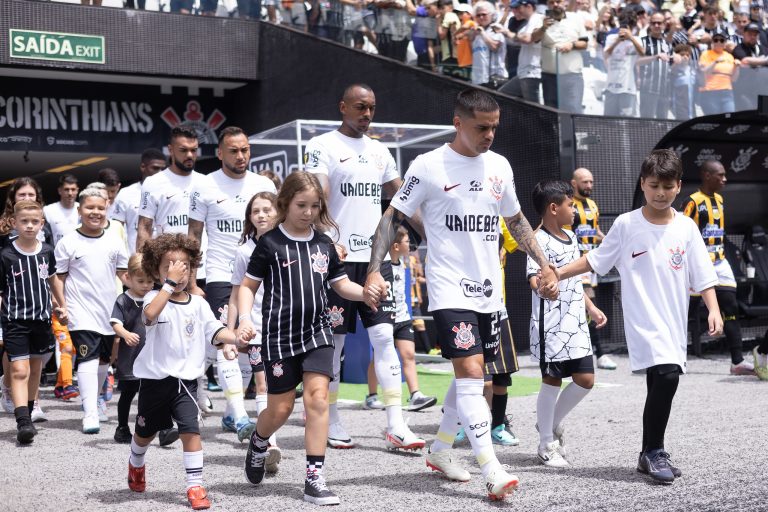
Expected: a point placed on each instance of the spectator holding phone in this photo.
(720, 70)
(489, 50)
(621, 52)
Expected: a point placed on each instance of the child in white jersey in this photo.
(660, 256)
(560, 340)
(179, 325)
(260, 214)
(296, 264)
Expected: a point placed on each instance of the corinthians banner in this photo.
(42, 116)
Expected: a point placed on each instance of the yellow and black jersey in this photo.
(707, 212)
(585, 224)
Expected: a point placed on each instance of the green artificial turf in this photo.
(435, 383)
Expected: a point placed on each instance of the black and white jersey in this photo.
(127, 312)
(561, 323)
(24, 282)
(294, 272)
(398, 292)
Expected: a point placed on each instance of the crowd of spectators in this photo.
(648, 58)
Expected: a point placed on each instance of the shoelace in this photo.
(317, 482)
(661, 460)
(258, 459)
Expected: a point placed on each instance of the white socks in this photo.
(449, 424)
(545, 413)
(102, 375)
(333, 386)
(261, 404)
(476, 420)
(193, 464)
(231, 381)
(569, 398)
(88, 382)
(387, 366)
(246, 370)
(137, 454)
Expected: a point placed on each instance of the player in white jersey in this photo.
(62, 216)
(660, 256)
(127, 201)
(112, 184)
(462, 188)
(353, 169)
(217, 205)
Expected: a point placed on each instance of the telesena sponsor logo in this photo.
(360, 243)
(472, 288)
(407, 188)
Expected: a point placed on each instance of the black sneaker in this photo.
(26, 433)
(655, 463)
(317, 492)
(255, 465)
(675, 470)
(166, 437)
(123, 434)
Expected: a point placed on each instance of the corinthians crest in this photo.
(205, 127)
(676, 258)
(464, 337)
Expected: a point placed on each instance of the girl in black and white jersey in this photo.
(295, 263)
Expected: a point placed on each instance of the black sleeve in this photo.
(3, 281)
(117, 311)
(51, 261)
(335, 266)
(259, 262)
(48, 234)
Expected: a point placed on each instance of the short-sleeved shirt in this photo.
(24, 282)
(398, 292)
(529, 60)
(219, 202)
(585, 223)
(486, 62)
(719, 79)
(658, 265)
(561, 323)
(242, 257)
(567, 30)
(127, 312)
(708, 213)
(165, 200)
(61, 220)
(127, 211)
(620, 77)
(176, 340)
(91, 263)
(295, 273)
(356, 169)
(451, 23)
(461, 199)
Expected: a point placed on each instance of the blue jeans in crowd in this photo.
(716, 102)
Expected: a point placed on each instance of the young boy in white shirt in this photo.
(660, 256)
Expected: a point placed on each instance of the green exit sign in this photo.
(34, 44)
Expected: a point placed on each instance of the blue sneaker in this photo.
(228, 424)
(500, 435)
(655, 463)
(244, 427)
(461, 436)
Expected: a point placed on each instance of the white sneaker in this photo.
(101, 406)
(743, 368)
(559, 435)
(443, 463)
(338, 437)
(7, 401)
(605, 362)
(499, 483)
(401, 438)
(550, 456)
(205, 405)
(37, 414)
(91, 425)
(272, 460)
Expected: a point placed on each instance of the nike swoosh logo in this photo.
(451, 187)
(170, 196)
(342, 160)
(17, 274)
(481, 433)
(78, 257)
(162, 322)
(289, 263)
(636, 254)
(559, 260)
(219, 201)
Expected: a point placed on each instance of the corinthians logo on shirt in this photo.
(320, 262)
(676, 258)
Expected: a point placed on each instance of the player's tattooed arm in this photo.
(375, 285)
(390, 189)
(521, 231)
(143, 232)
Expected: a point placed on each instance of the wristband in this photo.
(171, 282)
(168, 288)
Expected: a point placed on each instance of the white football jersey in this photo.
(658, 265)
(176, 341)
(91, 264)
(242, 258)
(165, 200)
(61, 220)
(127, 212)
(356, 169)
(461, 199)
(561, 323)
(219, 202)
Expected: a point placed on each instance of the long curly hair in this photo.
(10, 201)
(296, 183)
(154, 250)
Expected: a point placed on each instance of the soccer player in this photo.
(217, 204)
(87, 261)
(660, 256)
(353, 170)
(589, 235)
(128, 198)
(559, 334)
(705, 207)
(26, 286)
(462, 188)
(112, 184)
(62, 215)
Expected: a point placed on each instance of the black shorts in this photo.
(285, 374)
(343, 311)
(27, 338)
(165, 400)
(506, 361)
(91, 345)
(217, 296)
(404, 331)
(463, 333)
(563, 369)
(498, 379)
